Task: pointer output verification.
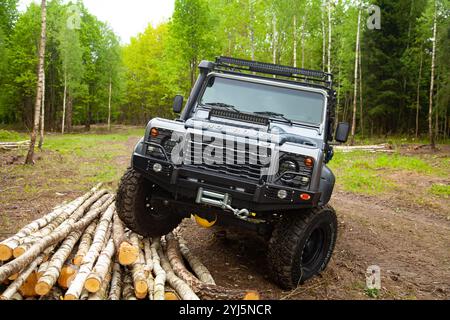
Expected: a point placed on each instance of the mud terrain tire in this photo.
(301, 245)
(137, 209)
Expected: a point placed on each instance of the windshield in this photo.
(296, 105)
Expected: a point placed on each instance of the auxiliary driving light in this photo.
(305, 180)
(157, 167)
(282, 194)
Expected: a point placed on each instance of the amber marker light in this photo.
(305, 197)
(154, 132)
(309, 162)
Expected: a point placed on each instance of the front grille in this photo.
(236, 160)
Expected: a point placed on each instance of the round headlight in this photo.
(288, 166)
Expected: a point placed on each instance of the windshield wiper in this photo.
(275, 115)
(222, 105)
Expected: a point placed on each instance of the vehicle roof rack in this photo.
(309, 76)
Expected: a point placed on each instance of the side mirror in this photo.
(342, 132)
(178, 103)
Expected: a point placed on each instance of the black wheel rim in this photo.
(153, 208)
(313, 249)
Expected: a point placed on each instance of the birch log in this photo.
(205, 291)
(160, 274)
(100, 239)
(182, 288)
(126, 252)
(101, 269)
(138, 270)
(23, 276)
(115, 292)
(102, 293)
(55, 264)
(85, 243)
(7, 246)
(197, 266)
(70, 212)
(62, 232)
(128, 290)
(149, 268)
(67, 275)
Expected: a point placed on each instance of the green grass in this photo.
(369, 173)
(73, 162)
(11, 136)
(441, 190)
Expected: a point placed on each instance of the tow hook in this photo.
(242, 214)
(222, 201)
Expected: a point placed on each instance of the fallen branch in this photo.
(197, 266)
(182, 288)
(205, 291)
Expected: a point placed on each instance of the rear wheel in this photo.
(301, 246)
(141, 206)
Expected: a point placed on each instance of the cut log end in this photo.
(27, 289)
(42, 288)
(17, 252)
(70, 297)
(92, 285)
(77, 260)
(66, 277)
(128, 254)
(140, 296)
(252, 295)
(6, 253)
(141, 287)
(171, 296)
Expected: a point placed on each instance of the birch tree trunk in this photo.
(42, 120)
(329, 37)
(433, 62)
(252, 29)
(274, 39)
(324, 41)
(360, 93)
(109, 104)
(418, 93)
(355, 93)
(295, 41)
(64, 103)
(39, 89)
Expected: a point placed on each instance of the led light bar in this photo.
(270, 68)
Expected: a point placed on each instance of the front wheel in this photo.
(140, 205)
(301, 245)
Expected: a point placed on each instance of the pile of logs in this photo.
(14, 145)
(82, 251)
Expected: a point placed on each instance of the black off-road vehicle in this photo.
(250, 149)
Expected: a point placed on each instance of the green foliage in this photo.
(11, 136)
(162, 60)
(370, 173)
(441, 190)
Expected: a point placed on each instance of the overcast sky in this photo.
(126, 17)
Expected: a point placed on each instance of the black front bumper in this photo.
(183, 183)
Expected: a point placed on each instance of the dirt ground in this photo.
(410, 243)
